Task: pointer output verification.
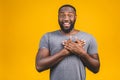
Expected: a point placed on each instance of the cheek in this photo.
(60, 20)
(73, 20)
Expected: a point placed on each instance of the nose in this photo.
(66, 18)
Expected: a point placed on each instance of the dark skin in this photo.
(44, 60)
(90, 61)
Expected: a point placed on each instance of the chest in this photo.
(55, 43)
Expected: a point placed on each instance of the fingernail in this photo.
(76, 37)
(70, 37)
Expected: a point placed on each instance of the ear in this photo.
(75, 16)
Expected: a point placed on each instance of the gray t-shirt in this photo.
(71, 67)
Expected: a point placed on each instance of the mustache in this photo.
(70, 22)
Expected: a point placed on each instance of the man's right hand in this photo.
(65, 52)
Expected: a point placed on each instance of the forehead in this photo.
(67, 9)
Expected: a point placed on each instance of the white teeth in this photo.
(66, 23)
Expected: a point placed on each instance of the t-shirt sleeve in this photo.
(44, 42)
(92, 48)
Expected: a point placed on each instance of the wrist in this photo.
(64, 52)
(82, 53)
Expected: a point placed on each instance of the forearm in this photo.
(91, 63)
(47, 62)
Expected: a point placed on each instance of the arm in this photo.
(45, 61)
(90, 61)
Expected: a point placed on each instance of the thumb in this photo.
(77, 40)
(70, 38)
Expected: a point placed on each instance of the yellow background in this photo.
(23, 22)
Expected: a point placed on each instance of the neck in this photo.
(72, 32)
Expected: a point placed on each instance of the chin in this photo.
(66, 29)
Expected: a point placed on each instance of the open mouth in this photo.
(66, 24)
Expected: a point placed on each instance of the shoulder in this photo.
(50, 34)
(87, 37)
(53, 33)
(86, 34)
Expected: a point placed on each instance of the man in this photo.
(67, 51)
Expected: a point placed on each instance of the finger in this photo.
(77, 40)
(65, 41)
(82, 40)
(67, 47)
(80, 45)
(83, 44)
(72, 44)
(70, 39)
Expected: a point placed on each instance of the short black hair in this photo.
(67, 5)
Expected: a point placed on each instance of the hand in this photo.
(80, 42)
(65, 52)
(74, 47)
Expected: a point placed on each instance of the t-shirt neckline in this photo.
(70, 35)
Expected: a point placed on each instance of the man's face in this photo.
(66, 18)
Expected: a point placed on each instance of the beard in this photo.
(69, 29)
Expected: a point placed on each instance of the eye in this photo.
(62, 16)
(71, 16)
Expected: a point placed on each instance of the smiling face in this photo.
(66, 18)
